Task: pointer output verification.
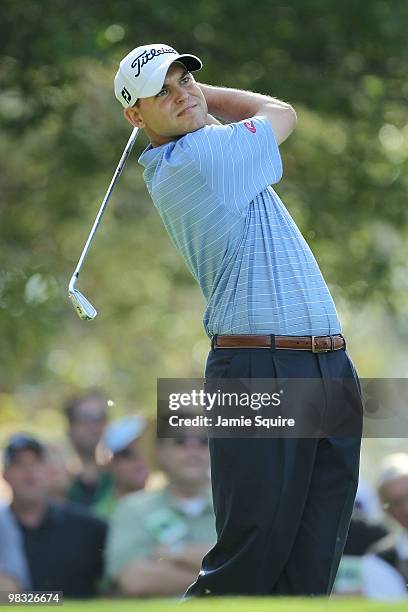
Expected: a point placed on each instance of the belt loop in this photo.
(273, 344)
(213, 339)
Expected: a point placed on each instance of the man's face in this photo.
(87, 426)
(27, 476)
(129, 470)
(179, 108)
(394, 496)
(185, 460)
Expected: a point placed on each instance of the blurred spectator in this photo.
(370, 577)
(87, 418)
(157, 539)
(58, 476)
(14, 574)
(63, 543)
(127, 467)
(393, 492)
(361, 574)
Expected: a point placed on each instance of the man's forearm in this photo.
(235, 104)
(154, 579)
(189, 556)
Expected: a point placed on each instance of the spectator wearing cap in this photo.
(128, 469)
(87, 418)
(392, 486)
(63, 543)
(157, 538)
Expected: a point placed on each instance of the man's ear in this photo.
(5, 475)
(133, 116)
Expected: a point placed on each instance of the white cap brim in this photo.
(120, 434)
(155, 82)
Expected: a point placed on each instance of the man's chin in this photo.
(193, 126)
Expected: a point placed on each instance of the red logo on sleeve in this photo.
(250, 126)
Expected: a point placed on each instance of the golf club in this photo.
(83, 307)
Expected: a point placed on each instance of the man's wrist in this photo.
(212, 97)
(212, 120)
(231, 104)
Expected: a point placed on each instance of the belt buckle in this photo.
(317, 350)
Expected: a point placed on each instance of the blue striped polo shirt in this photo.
(212, 188)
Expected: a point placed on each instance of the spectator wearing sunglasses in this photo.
(157, 538)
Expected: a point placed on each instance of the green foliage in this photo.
(344, 68)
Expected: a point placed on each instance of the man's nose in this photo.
(181, 94)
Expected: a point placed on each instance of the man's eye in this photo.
(186, 79)
(161, 93)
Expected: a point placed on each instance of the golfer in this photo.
(282, 506)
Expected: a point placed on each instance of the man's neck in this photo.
(187, 491)
(156, 140)
(121, 491)
(90, 473)
(30, 514)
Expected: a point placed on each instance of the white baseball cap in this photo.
(119, 434)
(142, 72)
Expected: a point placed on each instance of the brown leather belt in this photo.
(316, 344)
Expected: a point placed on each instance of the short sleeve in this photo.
(13, 562)
(127, 539)
(238, 160)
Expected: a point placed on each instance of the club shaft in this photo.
(105, 200)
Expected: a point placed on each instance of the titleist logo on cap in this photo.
(146, 56)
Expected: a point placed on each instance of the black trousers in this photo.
(282, 505)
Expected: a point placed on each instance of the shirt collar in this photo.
(151, 155)
(172, 501)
